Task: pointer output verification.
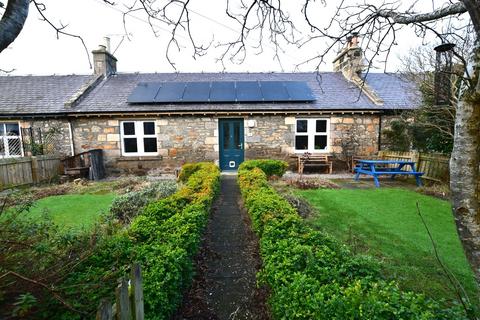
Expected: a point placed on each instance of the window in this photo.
(311, 135)
(138, 138)
(10, 142)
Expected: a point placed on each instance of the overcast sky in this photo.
(38, 51)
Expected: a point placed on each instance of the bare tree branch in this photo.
(406, 18)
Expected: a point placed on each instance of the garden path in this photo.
(225, 285)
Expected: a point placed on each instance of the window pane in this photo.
(2, 147)
(148, 128)
(226, 135)
(236, 135)
(12, 129)
(321, 125)
(301, 142)
(301, 125)
(2, 129)
(14, 148)
(320, 142)
(130, 144)
(150, 144)
(129, 128)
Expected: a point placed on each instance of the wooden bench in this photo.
(310, 160)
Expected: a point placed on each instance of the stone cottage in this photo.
(101, 111)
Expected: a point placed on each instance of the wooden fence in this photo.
(128, 303)
(28, 170)
(435, 167)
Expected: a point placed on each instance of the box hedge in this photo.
(313, 276)
(270, 167)
(167, 235)
(163, 238)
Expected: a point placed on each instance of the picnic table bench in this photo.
(375, 168)
(310, 160)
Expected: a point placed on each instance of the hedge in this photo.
(163, 238)
(270, 167)
(167, 235)
(313, 276)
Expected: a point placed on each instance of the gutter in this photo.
(193, 113)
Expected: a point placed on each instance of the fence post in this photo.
(35, 173)
(104, 311)
(381, 154)
(123, 301)
(416, 158)
(137, 292)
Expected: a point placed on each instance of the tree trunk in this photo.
(464, 170)
(12, 21)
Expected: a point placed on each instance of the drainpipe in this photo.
(70, 134)
(379, 132)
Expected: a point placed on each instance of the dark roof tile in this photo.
(41, 95)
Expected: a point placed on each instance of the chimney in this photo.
(350, 60)
(104, 63)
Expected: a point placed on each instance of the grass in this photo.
(384, 223)
(73, 210)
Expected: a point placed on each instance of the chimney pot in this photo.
(107, 43)
(350, 60)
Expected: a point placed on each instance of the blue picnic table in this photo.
(375, 168)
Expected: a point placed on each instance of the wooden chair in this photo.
(310, 160)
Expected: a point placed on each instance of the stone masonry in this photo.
(182, 139)
(55, 135)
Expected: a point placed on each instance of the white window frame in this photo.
(139, 135)
(311, 133)
(4, 138)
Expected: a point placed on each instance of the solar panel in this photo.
(299, 91)
(223, 91)
(248, 91)
(170, 92)
(274, 91)
(145, 92)
(196, 92)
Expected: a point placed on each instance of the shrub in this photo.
(187, 171)
(128, 205)
(84, 268)
(313, 276)
(270, 167)
(167, 235)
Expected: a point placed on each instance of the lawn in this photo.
(384, 223)
(73, 210)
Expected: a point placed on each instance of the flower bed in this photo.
(313, 276)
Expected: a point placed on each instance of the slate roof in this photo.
(38, 94)
(47, 94)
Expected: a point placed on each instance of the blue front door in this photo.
(230, 132)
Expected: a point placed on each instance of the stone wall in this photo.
(360, 132)
(55, 136)
(182, 139)
(269, 137)
(98, 133)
